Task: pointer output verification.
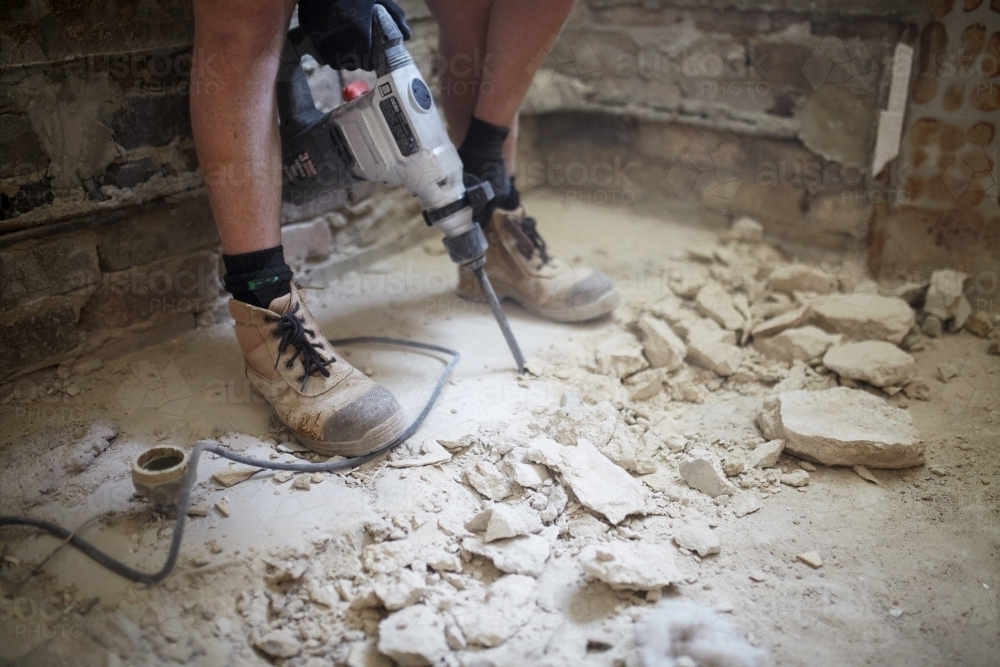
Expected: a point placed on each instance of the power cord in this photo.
(184, 501)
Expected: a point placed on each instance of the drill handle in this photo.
(296, 108)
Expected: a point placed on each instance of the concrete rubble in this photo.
(863, 316)
(631, 565)
(842, 426)
(597, 483)
(662, 346)
(702, 470)
(791, 278)
(807, 344)
(878, 363)
(697, 537)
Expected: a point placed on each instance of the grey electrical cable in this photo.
(184, 501)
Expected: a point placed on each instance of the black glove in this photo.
(341, 30)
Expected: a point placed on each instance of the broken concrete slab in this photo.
(796, 478)
(597, 483)
(510, 601)
(876, 362)
(806, 343)
(487, 479)
(744, 504)
(233, 474)
(413, 637)
(412, 454)
(280, 643)
(717, 357)
(594, 423)
(789, 278)
(713, 301)
(775, 325)
(631, 565)
(525, 554)
(766, 454)
(662, 346)
(863, 316)
(646, 384)
(702, 470)
(812, 559)
(620, 356)
(528, 475)
(842, 426)
(697, 537)
(502, 521)
(627, 448)
(399, 589)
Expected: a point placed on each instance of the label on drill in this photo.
(401, 131)
(300, 167)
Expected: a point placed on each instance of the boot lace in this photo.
(528, 239)
(292, 331)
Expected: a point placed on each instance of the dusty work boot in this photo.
(521, 269)
(330, 406)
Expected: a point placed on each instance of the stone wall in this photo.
(107, 240)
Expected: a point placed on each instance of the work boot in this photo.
(521, 269)
(330, 406)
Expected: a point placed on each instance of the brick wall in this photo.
(714, 109)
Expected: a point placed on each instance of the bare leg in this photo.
(508, 37)
(237, 44)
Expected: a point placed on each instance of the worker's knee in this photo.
(241, 28)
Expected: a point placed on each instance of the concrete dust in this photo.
(654, 491)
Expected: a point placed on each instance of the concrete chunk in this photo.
(702, 471)
(525, 554)
(597, 482)
(864, 316)
(790, 278)
(697, 537)
(792, 318)
(802, 344)
(765, 455)
(620, 357)
(631, 565)
(662, 346)
(713, 301)
(720, 358)
(842, 426)
(945, 293)
(876, 362)
(413, 637)
(501, 521)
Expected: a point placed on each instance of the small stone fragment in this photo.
(947, 370)
(702, 471)
(862, 316)
(744, 504)
(713, 301)
(631, 565)
(223, 507)
(932, 326)
(620, 357)
(766, 455)
(597, 483)
(918, 389)
(662, 346)
(279, 644)
(301, 483)
(718, 357)
(411, 454)
(866, 474)
(945, 294)
(745, 230)
(401, 589)
(792, 318)
(697, 537)
(413, 637)
(800, 343)
(876, 362)
(485, 478)
(791, 278)
(525, 554)
(200, 509)
(807, 466)
(812, 559)
(796, 478)
(896, 612)
(979, 324)
(316, 478)
(646, 384)
(502, 521)
(283, 476)
(733, 465)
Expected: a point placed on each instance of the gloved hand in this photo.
(341, 30)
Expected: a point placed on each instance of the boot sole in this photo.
(571, 315)
(375, 438)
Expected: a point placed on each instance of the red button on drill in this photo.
(353, 91)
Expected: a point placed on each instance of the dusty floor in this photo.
(911, 566)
